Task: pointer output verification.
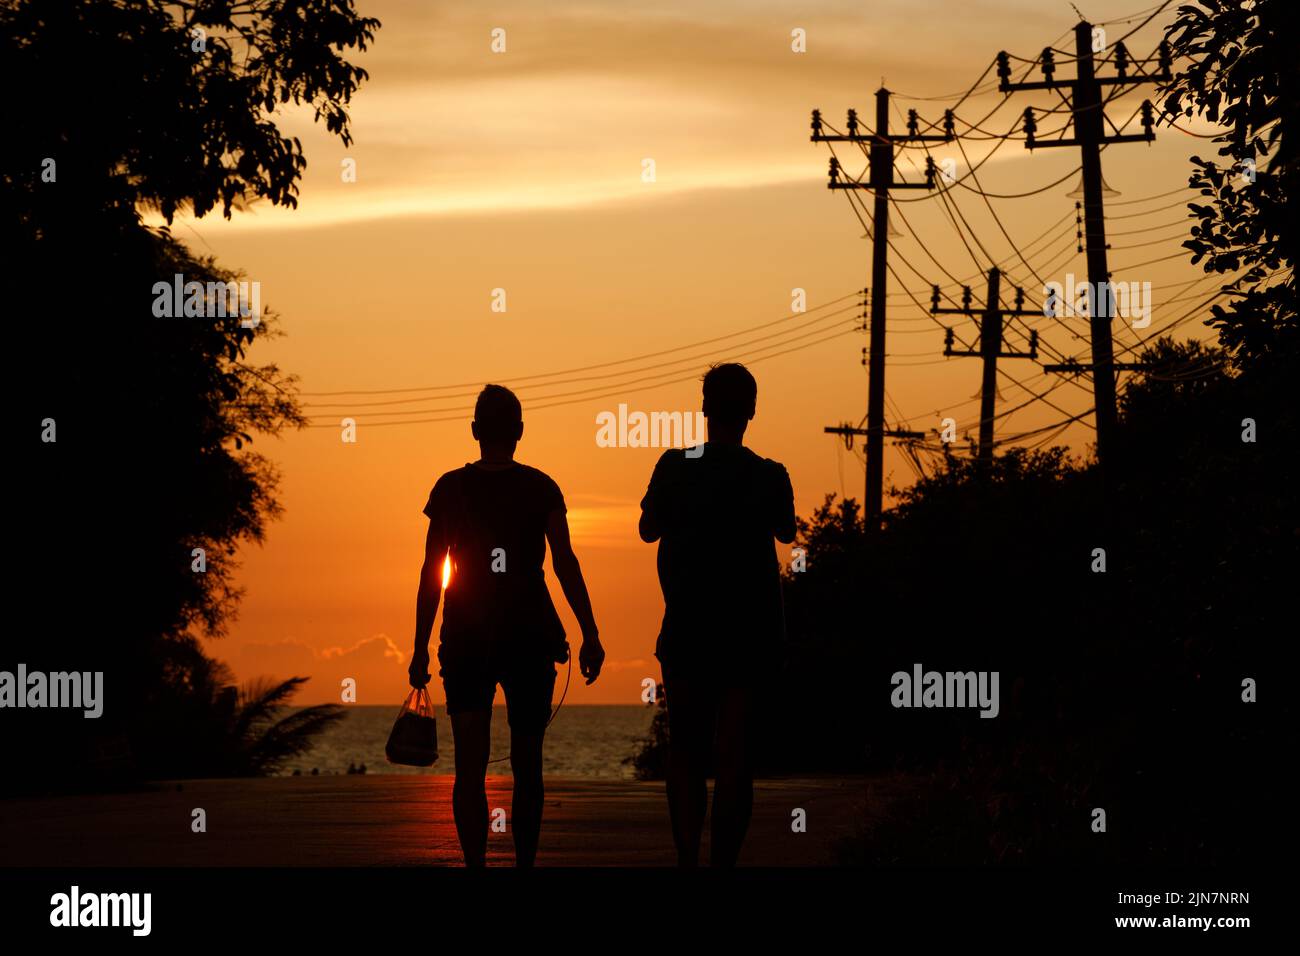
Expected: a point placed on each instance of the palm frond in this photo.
(290, 737)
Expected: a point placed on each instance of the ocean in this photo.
(582, 741)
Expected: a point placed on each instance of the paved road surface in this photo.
(399, 820)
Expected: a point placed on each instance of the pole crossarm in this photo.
(889, 432)
(1047, 62)
(878, 179)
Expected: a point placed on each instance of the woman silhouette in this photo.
(490, 522)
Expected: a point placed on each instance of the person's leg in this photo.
(471, 732)
(733, 785)
(470, 688)
(529, 793)
(528, 708)
(690, 729)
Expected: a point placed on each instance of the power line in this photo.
(954, 207)
(1002, 372)
(569, 371)
(837, 314)
(622, 384)
(609, 394)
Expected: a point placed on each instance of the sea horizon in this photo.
(583, 740)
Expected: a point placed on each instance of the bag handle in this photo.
(418, 703)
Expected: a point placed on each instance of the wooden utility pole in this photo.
(1090, 135)
(990, 350)
(880, 181)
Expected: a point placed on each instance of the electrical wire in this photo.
(585, 368)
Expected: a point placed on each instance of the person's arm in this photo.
(426, 602)
(569, 573)
(651, 526)
(648, 527)
(784, 528)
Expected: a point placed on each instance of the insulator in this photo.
(947, 341)
(835, 172)
(1020, 298)
(1121, 59)
(913, 124)
(1004, 69)
(1033, 344)
(853, 122)
(930, 171)
(949, 130)
(934, 298)
(817, 124)
(965, 297)
(1030, 127)
(1049, 63)
(1148, 118)
(1166, 60)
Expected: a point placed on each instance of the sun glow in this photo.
(446, 571)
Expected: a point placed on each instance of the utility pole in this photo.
(990, 349)
(1090, 135)
(880, 181)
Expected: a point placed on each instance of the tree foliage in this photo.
(196, 89)
(1243, 74)
(123, 111)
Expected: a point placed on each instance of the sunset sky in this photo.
(522, 171)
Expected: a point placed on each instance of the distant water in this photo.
(582, 741)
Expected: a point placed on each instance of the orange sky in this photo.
(523, 171)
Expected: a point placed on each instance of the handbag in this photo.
(413, 741)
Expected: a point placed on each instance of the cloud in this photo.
(378, 648)
(376, 664)
(633, 665)
(584, 93)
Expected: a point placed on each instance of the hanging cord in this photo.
(567, 674)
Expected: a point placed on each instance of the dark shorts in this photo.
(711, 711)
(528, 686)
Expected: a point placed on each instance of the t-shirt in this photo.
(497, 603)
(718, 515)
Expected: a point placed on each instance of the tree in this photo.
(130, 519)
(192, 90)
(1243, 75)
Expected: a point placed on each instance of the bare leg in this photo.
(689, 731)
(526, 808)
(733, 787)
(471, 731)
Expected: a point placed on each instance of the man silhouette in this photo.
(714, 512)
(494, 518)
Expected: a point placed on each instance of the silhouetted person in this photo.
(495, 517)
(715, 516)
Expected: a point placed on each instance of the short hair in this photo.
(730, 393)
(497, 413)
